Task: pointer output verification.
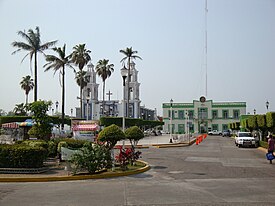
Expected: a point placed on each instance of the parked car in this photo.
(215, 132)
(245, 139)
(226, 133)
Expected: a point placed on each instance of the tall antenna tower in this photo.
(206, 10)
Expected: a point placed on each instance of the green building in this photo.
(201, 115)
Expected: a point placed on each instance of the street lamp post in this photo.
(88, 98)
(267, 105)
(171, 105)
(87, 117)
(187, 125)
(124, 73)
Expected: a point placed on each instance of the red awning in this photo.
(85, 127)
(12, 125)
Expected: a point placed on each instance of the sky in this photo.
(168, 35)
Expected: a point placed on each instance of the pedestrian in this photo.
(270, 146)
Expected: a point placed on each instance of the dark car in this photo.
(226, 133)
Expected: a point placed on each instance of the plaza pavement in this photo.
(162, 140)
(215, 172)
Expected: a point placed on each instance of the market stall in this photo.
(85, 130)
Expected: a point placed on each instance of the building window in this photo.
(224, 127)
(181, 114)
(181, 128)
(215, 114)
(215, 127)
(236, 114)
(191, 114)
(191, 128)
(173, 114)
(225, 114)
(202, 113)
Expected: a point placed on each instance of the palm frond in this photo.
(21, 46)
(47, 45)
(25, 36)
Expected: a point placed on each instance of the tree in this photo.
(27, 85)
(134, 134)
(270, 121)
(2, 112)
(42, 128)
(261, 121)
(111, 135)
(252, 123)
(104, 70)
(81, 57)
(58, 63)
(20, 109)
(33, 46)
(81, 79)
(129, 55)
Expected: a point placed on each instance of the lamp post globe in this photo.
(56, 106)
(267, 105)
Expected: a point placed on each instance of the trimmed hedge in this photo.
(129, 122)
(22, 156)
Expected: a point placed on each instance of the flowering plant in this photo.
(127, 156)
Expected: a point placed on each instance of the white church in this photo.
(93, 107)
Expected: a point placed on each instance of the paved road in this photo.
(214, 172)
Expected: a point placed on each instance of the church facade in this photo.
(93, 108)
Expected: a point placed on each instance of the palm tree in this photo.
(81, 57)
(104, 70)
(27, 85)
(129, 55)
(81, 79)
(58, 63)
(20, 109)
(33, 46)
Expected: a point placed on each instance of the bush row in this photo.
(22, 156)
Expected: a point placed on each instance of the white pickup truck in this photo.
(215, 132)
(245, 139)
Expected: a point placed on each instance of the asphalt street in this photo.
(215, 172)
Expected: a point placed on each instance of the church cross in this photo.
(109, 94)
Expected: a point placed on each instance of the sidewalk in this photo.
(161, 140)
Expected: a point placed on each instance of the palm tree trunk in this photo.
(27, 94)
(81, 107)
(81, 96)
(35, 77)
(128, 88)
(103, 102)
(63, 97)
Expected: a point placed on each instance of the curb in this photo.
(77, 177)
(183, 144)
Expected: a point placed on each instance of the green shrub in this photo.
(134, 134)
(263, 144)
(52, 149)
(61, 144)
(42, 132)
(22, 156)
(72, 143)
(92, 158)
(36, 143)
(111, 135)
